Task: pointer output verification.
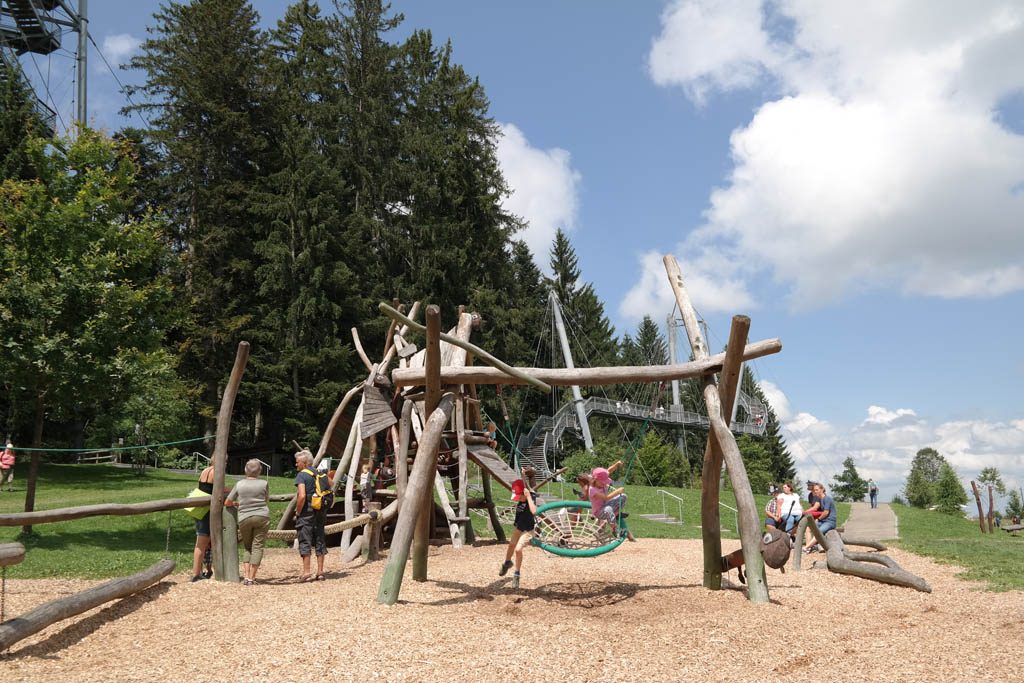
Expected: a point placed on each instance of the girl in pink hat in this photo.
(605, 505)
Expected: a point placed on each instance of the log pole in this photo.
(432, 365)
(417, 490)
(220, 461)
(492, 512)
(602, 376)
(16, 629)
(977, 499)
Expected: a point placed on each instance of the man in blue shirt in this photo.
(828, 518)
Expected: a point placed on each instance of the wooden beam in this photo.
(417, 491)
(360, 350)
(220, 460)
(477, 351)
(977, 499)
(623, 374)
(16, 629)
(432, 367)
(842, 561)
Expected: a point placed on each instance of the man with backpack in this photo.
(313, 498)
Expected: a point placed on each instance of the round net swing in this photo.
(567, 528)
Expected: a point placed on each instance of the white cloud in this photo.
(119, 48)
(883, 163)
(544, 189)
(884, 444)
(777, 399)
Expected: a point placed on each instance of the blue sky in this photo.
(850, 175)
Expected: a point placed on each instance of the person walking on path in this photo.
(873, 492)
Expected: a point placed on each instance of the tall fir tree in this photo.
(205, 96)
(19, 122)
(306, 288)
(848, 485)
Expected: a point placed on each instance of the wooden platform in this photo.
(495, 465)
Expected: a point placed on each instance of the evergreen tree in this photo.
(1014, 505)
(593, 339)
(848, 486)
(301, 359)
(205, 97)
(651, 345)
(780, 461)
(950, 495)
(925, 470)
(19, 122)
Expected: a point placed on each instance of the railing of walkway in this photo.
(664, 495)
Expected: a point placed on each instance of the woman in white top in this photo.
(788, 508)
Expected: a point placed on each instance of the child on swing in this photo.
(525, 521)
(604, 505)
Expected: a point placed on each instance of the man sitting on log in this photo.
(827, 519)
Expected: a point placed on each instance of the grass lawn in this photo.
(101, 547)
(995, 559)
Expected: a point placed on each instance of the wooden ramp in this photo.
(494, 464)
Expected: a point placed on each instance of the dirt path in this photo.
(638, 613)
(877, 524)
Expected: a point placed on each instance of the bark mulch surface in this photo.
(638, 613)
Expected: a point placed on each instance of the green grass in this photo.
(995, 559)
(101, 547)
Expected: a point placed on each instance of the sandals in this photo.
(320, 577)
(248, 582)
(306, 578)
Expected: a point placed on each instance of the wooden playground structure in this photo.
(428, 406)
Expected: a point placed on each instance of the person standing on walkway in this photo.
(873, 492)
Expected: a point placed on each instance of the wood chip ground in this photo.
(637, 614)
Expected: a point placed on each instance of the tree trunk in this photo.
(220, 459)
(981, 513)
(991, 507)
(34, 458)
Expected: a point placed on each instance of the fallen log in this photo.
(841, 561)
(11, 553)
(113, 509)
(16, 629)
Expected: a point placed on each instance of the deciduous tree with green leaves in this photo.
(84, 291)
(925, 470)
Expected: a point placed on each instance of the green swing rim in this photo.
(577, 552)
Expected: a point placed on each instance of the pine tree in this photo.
(950, 495)
(205, 96)
(19, 122)
(780, 461)
(301, 359)
(847, 485)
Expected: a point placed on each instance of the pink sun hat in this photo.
(601, 477)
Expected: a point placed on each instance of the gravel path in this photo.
(638, 613)
(878, 524)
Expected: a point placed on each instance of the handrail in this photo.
(662, 494)
(736, 514)
(198, 455)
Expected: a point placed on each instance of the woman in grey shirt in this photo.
(252, 497)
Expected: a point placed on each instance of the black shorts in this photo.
(310, 532)
(203, 525)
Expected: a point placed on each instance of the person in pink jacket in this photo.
(7, 467)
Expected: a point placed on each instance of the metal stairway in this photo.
(31, 31)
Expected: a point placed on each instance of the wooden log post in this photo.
(991, 507)
(492, 513)
(350, 483)
(371, 533)
(11, 553)
(230, 530)
(432, 365)
(977, 499)
(722, 446)
(460, 426)
(402, 454)
(806, 522)
(220, 462)
(417, 491)
(16, 629)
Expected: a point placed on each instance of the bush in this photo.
(898, 500)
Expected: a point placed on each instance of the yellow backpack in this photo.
(323, 496)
